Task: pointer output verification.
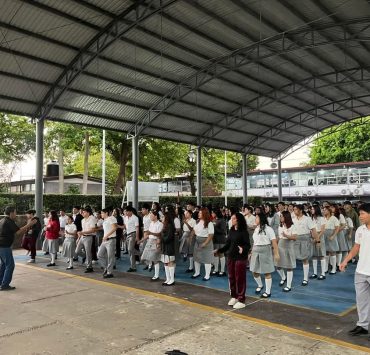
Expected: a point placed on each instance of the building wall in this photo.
(52, 187)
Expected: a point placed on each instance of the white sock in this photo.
(314, 265)
(339, 258)
(208, 268)
(71, 262)
(191, 263)
(156, 270)
(327, 263)
(259, 281)
(289, 278)
(215, 263)
(323, 266)
(306, 269)
(52, 258)
(281, 273)
(167, 271)
(222, 262)
(268, 285)
(172, 274)
(197, 268)
(333, 263)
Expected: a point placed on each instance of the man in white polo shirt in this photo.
(362, 276)
(132, 231)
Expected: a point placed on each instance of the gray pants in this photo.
(131, 241)
(106, 254)
(362, 286)
(86, 243)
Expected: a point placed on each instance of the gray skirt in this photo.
(262, 261)
(342, 243)
(218, 246)
(331, 245)
(319, 249)
(167, 258)
(348, 239)
(51, 246)
(69, 247)
(152, 252)
(187, 245)
(287, 254)
(302, 247)
(203, 255)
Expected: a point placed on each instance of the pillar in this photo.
(280, 183)
(135, 172)
(199, 176)
(244, 178)
(39, 183)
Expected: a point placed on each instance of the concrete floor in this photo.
(52, 312)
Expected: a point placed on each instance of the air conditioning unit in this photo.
(343, 192)
(268, 194)
(311, 192)
(358, 191)
(297, 192)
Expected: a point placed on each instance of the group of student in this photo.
(262, 238)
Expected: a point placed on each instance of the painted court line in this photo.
(232, 314)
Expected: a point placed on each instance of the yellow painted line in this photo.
(232, 314)
(347, 311)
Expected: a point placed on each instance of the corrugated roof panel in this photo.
(169, 122)
(193, 112)
(17, 107)
(114, 6)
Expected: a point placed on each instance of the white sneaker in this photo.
(31, 261)
(239, 305)
(232, 301)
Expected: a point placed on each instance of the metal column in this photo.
(135, 172)
(280, 184)
(103, 172)
(244, 178)
(199, 176)
(39, 183)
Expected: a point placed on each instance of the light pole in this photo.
(225, 178)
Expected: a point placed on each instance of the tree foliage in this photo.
(17, 136)
(350, 143)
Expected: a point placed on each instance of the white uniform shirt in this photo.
(362, 237)
(177, 223)
(319, 222)
(63, 221)
(251, 221)
(288, 231)
(265, 237)
(131, 223)
(100, 222)
(332, 223)
(108, 226)
(155, 227)
(349, 223)
(70, 229)
(146, 222)
(201, 231)
(191, 222)
(88, 224)
(342, 220)
(304, 225)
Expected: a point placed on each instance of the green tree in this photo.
(349, 143)
(17, 136)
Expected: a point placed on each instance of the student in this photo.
(106, 253)
(31, 235)
(362, 276)
(287, 236)
(52, 237)
(187, 243)
(168, 257)
(69, 244)
(132, 235)
(237, 248)
(261, 259)
(219, 240)
(342, 243)
(331, 243)
(318, 246)
(145, 210)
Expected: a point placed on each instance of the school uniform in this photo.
(86, 241)
(203, 255)
(69, 244)
(152, 250)
(106, 253)
(187, 245)
(341, 238)
(302, 246)
(319, 249)
(131, 224)
(51, 243)
(347, 228)
(251, 226)
(330, 225)
(261, 260)
(286, 248)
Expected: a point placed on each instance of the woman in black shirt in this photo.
(237, 248)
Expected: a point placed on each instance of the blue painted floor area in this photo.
(334, 295)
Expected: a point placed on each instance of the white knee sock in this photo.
(156, 270)
(326, 263)
(191, 263)
(281, 273)
(306, 269)
(314, 265)
(222, 262)
(52, 258)
(259, 281)
(71, 262)
(339, 258)
(167, 271)
(268, 285)
(333, 263)
(208, 270)
(323, 266)
(197, 268)
(215, 263)
(289, 278)
(172, 274)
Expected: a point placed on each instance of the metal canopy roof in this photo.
(252, 76)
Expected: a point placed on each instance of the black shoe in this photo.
(7, 288)
(150, 268)
(69, 268)
(75, 259)
(321, 277)
(114, 267)
(194, 276)
(313, 276)
(265, 295)
(108, 276)
(205, 279)
(214, 273)
(131, 270)
(221, 274)
(46, 253)
(171, 284)
(188, 271)
(89, 269)
(304, 283)
(146, 267)
(50, 264)
(153, 279)
(358, 331)
(282, 282)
